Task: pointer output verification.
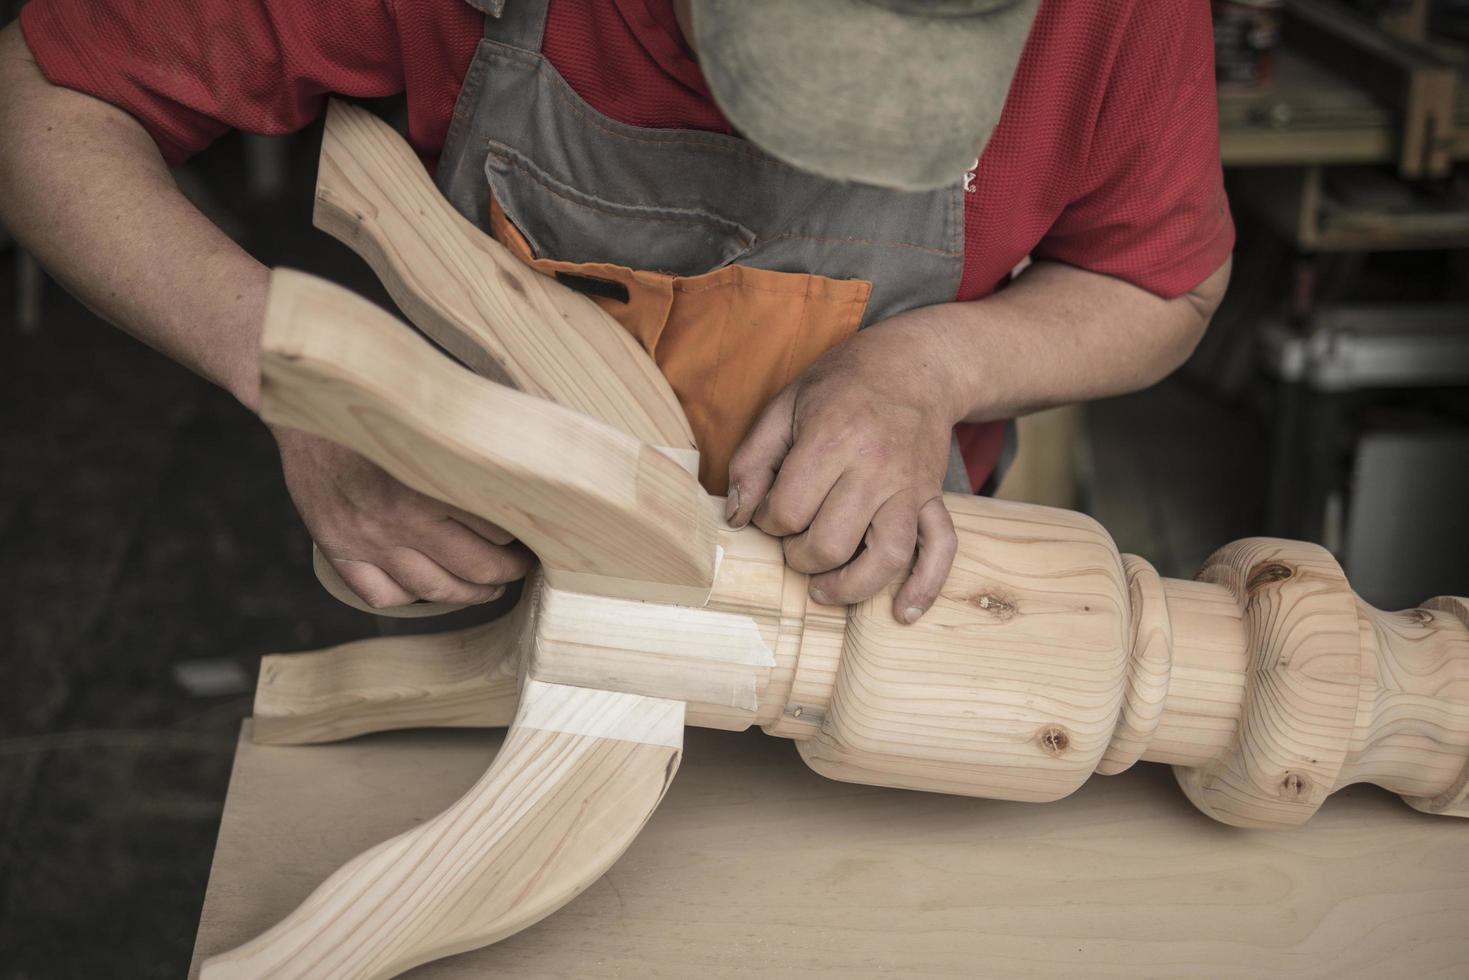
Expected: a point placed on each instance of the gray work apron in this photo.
(581, 187)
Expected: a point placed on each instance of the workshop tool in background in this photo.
(1266, 683)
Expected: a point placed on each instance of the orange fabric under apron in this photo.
(727, 341)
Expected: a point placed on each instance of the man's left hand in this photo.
(847, 465)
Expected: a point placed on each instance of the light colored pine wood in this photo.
(604, 512)
(1009, 686)
(1266, 682)
(753, 868)
(467, 292)
(1048, 656)
(1149, 670)
(463, 678)
(543, 823)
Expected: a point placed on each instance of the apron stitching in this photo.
(473, 82)
(692, 218)
(956, 232)
(804, 291)
(797, 335)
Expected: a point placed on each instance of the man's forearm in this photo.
(1060, 334)
(84, 188)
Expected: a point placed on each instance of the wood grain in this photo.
(1149, 668)
(1047, 657)
(754, 867)
(1010, 686)
(463, 678)
(467, 292)
(541, 825)
(1305, 677)
(623, 518)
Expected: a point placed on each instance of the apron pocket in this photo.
(562, 223)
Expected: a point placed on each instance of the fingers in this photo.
(890, 542)
(456, 565)
(493, 533)
(426, 579)
(753, 466)
(465, 554)
(806, 477)
(375, 586)
(937, 545)
(835, 531)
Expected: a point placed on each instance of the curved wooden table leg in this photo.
(466, 291)
(465, 677)
(625, 519)
(579, 774)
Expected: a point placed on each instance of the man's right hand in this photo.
(391, 544)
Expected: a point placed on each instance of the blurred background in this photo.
(149, 554)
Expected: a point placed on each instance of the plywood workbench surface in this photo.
(756, 867)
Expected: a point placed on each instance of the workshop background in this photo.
(149, 554)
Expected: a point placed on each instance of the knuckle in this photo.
(490, 571)
(439, 592)
(375, 594)
(808, 557)
(846, 593)
(890, 557)
(830, 553)
(944, 547)
(505, 567)
(779, 518)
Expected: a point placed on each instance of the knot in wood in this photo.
(1266, 573)
(1000, 606)
(1295, 786)
(1054, 740)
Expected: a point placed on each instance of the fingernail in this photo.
(496, 594)
(911, 614)
(818, 596)
(732, 504)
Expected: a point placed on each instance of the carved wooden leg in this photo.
(462, 678)
(467, 292)
(603, 512)
(578, 776)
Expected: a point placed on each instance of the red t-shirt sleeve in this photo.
(1151, 208)
(190, 71)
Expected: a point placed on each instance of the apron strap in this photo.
(522, 26)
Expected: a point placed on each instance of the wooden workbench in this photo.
(755, 867)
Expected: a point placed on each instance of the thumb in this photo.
(755, 463)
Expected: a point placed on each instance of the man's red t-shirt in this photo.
(1106, 156)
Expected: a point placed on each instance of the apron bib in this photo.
(733, 270)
